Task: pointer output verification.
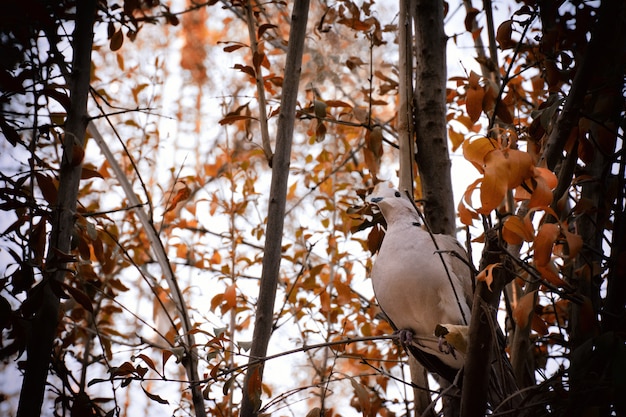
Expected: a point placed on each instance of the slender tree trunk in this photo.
(405, 105)
(419, 375)
(44, 323)
(270, 273)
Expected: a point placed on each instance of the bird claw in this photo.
(405, 337)
(445, 347)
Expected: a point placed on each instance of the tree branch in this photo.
(45, 322)
(251, 401)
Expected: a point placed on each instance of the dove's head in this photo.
(391, 201)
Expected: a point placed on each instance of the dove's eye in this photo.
(398, 194)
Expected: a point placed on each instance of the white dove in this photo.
(414, 288)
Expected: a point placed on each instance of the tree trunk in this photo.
(419, 375)
(405, 93)
(477, 369)
(44, 323)
(433, 159)
(429, 119)
(270, 273)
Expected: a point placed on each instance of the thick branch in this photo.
(405, 105)
(44, 323)
(190, 362)
(477, 364)
(260, 87)
(251, 401)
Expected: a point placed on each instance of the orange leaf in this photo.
(473, 80)
(550, 273)
(520, 167)
(456, 138)
(574, 243)
(486, 274)
(230, 297)
(495, 183)
(516, 230)
(467, 215)
(525, 306)
(546, 236)
(474, 102)
(548, 176)
(542, 195)
(475, 150)
(181, 195)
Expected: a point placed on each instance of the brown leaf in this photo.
(375, 239)
(232, 48)
(363, 397)
(354, 62)
(80, 297)
(147, 360)
(320, 132)
(116, 40)
(539, 325)
(48, 187)
(232, 118)
(544, 241)
(574, 243)
(550, 273)
(470, 19)
(523, 309)
(245, 68)
(89, 171)
(503, 35)
(154, 397)
(314, 412)
(264, 28)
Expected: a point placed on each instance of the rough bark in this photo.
(433, 159)
(270, 273)
(595, 345)
(44, 323)
(476, 376)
